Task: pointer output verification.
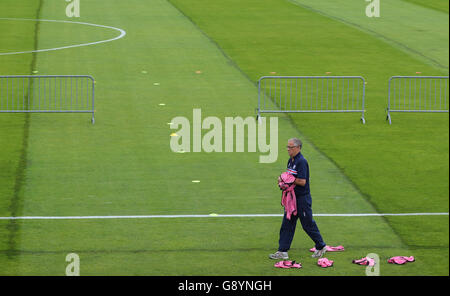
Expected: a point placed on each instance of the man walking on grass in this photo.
(298, 167)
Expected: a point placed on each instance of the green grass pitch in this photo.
(188, 54)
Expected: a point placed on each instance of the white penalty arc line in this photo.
(211, 216)
(121, 35)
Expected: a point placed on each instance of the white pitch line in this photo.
(211, 216)
(122, 34)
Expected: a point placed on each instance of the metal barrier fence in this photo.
(311, 94)
(417, 94)
(47, 94)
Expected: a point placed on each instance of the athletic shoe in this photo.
(279, 255)
(319, 253)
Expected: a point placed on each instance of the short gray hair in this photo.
(296, 142)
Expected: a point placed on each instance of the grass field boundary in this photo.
(212, 216)
(121, 35)
(17, 199)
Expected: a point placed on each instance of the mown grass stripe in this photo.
(399, 43)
